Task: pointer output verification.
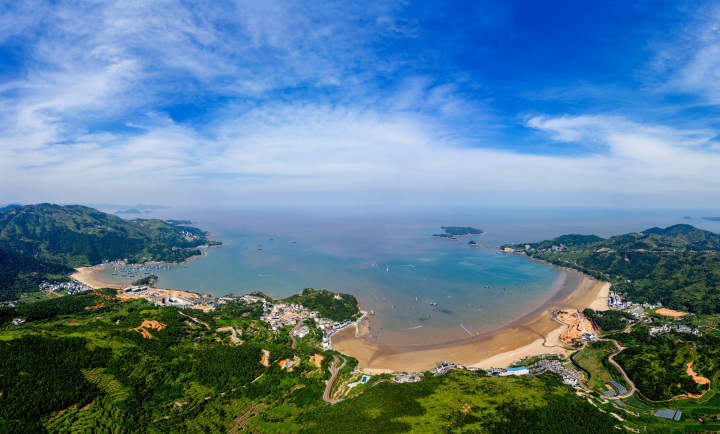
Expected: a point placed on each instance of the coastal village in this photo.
(276, 315)
(578, 330)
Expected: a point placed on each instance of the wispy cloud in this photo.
(279, 101)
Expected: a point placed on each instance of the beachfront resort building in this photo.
(516, 370)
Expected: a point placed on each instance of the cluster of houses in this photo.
(555, 248)
(681, 328)
(637, 310)
(615, 301)
(406, 377)
(72, 287)
(570, 376)
(280, 315)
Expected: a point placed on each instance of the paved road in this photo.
(334, 369)
(622, 371)
(232, 330)
(292, 335)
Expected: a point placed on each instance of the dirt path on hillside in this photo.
(147, 324)
(696, 378)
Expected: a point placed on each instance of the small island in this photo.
(452, 232)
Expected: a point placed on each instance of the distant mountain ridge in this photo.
(680, 236)
(678, 265)
(46, 241)
(75, 235)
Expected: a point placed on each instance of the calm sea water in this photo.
(421, 289)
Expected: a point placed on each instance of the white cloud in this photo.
(690, 63)
(123, 62)
(645, 158)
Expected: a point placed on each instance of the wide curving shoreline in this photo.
(530, 334)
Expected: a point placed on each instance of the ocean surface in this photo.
(421, 289)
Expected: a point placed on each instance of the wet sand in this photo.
(533, 333)
(89, 276)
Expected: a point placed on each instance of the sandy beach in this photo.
(89, 276)
(532, 334)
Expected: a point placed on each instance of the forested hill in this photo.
(336, 307)
(20, 273)
(683, 237)
(76, 235)
(678, 266)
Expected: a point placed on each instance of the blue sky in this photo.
(562, 103)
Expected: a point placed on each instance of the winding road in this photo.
(334, 371)
(622, 371)
(292, 334)
(232, 330)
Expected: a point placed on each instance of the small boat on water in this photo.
(433, 304)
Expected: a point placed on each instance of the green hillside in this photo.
(82, 364)
(678, 266)
(76, 236)
(327, 304)
(21, 273)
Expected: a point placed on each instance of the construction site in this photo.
(578, 327)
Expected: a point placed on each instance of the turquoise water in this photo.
(421, 289)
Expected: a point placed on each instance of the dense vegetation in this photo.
(658, 364)
(147, 280)
(41, 374)
(93, 371)
(48, 309)
(44, 242)
(327, 304)
(609, 320)
(21, 273)
(678, 266)
(77, 236)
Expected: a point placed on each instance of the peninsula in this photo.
(45, 242)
